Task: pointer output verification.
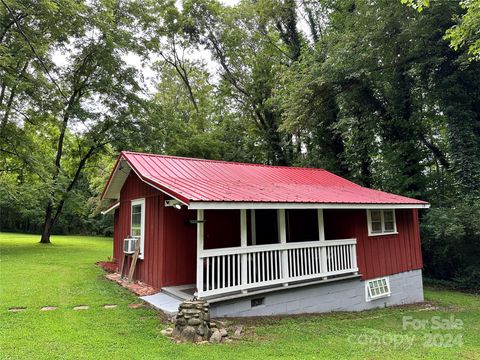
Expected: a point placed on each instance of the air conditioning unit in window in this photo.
(129, 245)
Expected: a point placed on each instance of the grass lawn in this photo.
(63, 274)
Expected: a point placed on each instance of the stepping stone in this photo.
(17, 309)
(110, 306)
(134, 306)
(48, 308)
(81, 307)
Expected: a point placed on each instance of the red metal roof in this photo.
(191, 180)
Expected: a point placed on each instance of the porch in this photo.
(277, 249)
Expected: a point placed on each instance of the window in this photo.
(381, 222)
(377, 288)
(137, 228)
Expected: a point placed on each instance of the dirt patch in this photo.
(135, 306)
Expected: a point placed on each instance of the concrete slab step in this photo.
(164, 302)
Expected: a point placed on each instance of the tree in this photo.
(91, 43)
(465, 32)
(252, 43)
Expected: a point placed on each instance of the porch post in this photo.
(243, 244)
(253, 227)
(200, 246)
(323, 249)
(282, 234)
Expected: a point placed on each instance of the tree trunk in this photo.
(47, 225)
(50, 218)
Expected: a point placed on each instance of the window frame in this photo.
(382, 220)
(369, 296)
(133, 203)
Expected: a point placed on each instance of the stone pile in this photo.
(192, 323)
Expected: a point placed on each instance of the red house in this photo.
(257, 240)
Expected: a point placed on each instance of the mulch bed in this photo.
(108, 266)
(137, 287)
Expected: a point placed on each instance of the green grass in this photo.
(63, 274)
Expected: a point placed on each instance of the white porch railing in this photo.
(244, 268)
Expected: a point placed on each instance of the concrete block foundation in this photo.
(342, 295)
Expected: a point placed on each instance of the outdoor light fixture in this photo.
(173, 203)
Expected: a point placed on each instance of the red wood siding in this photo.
(169, 254)
(382, 254)
(180, 255)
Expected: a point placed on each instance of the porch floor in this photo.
(182, 292)
(185, 292)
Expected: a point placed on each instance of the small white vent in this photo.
(129, 245)
(377, 288)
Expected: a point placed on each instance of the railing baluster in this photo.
(214, 272)
(223, 271)
(277, 264)
(349, 254)
(314, 260)
(337, 253)
(262, 259)
(290, 269)
(305, 261)
(319, 260)
(341, 258)
(234, 272)
(280, 268)
(302, 261)
(254, 270)
(207, 281)
(310, 261)
(228, 270)
(217, 272)
(318, 265)
(239, 270)
(269, 271)
(298, 257)
(335, 258)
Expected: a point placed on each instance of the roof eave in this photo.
(110, 208)
(226, 205)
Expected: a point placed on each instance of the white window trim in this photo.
(142, 223)
(369, 221)
(367, 289)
